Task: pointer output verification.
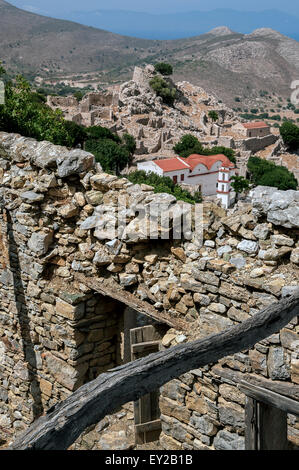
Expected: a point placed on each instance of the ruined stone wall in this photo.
(56, 333)
(255, 144)
(62, 101)
(96, 100)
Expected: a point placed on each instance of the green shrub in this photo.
(239, 184)
(213, 115)
(189, 145)
(290, 135)
(25, 112)
(112, 156)
(78, 95)
(163, 184)
(163, 90)
(98, 132)
(112, 152)
(265, 173)
(163, 68)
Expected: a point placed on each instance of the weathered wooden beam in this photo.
(64, 423)
(110, 288)
(270, 398)
(286, 389)
(150, 426)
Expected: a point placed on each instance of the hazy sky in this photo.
(154, 6)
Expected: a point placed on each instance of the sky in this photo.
(51, 7)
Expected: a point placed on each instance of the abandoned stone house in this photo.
(253, 129)
(76, 300)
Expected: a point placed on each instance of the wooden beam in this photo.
(286, 389)
(110, 288)
(270, 398)
(64, 423)
(150, 426)
(144, 347)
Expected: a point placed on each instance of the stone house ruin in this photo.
(253, 129)
(76, 301)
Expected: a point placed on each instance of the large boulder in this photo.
(75, 162)
(279, 207)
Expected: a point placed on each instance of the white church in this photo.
(212, 174)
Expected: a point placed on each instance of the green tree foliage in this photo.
(290, 135)
(189, 145)
(228, 152)
(25, 112)
(77, 133)
(164, 69)
(213, 115)
(98, 133)
(163, 184)
(2, 70)
(112, 152)
(78, 95)
(240, 184)
(129, 142)
(162, 89)
(112, 156)
(265, 173)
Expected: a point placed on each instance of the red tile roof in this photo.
(208, 161)
(255, 125)
(179, 163)
(171, 164)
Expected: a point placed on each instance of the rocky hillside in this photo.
(134, 107)
(225, 63)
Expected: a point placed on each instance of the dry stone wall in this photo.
(58, 218)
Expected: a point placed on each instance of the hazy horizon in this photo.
(155, 6)
(132, 19)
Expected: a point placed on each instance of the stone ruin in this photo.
(133, 107)
(68, 288)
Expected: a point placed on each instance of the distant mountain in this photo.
(225, 63)
(181, 25)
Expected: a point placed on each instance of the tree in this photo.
(290, 135)
(265, 173)
(240, 184)
(129, 142)
(2, 70)
(112, 156)
(25, 112)
(163, 68)
(218, 150)
(76, 132)
(188, 145)
(162, 89)
(213, 115)
(78, 95)
(98, 132)
(111, 151)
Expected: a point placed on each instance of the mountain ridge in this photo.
(226, 63)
